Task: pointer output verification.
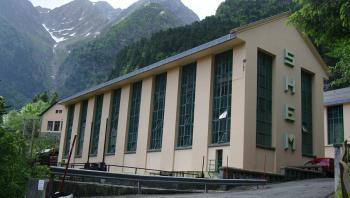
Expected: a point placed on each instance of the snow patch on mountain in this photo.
(57, 39)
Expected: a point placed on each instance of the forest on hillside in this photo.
(230, 14)
(309, 16)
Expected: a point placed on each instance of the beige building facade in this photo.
(52, 119)
(250, 100)
(336, 118)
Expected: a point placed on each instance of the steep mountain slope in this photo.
(77, 19)
(73, 22)
(88, 62)
(175, 7)
(230, 14)
(25, 50)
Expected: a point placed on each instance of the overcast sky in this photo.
(202, 8)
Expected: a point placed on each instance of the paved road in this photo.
(296, 189)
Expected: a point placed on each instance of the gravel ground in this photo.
(296, 189)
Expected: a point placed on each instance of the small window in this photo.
(57, 126)
(49, 125)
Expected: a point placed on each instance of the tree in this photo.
(13, 167)
(230, 14)
(328, 24)
(3, 108)
(14, 119)
(16, 162)
(46, 97)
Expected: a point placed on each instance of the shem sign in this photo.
(289, 110)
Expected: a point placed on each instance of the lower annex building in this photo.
(337, 118)
(52, 119)
(252, 99)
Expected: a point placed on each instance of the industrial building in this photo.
(252, 99)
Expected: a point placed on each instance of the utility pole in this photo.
(32, 138)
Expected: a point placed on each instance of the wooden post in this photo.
(344, 177)
(337, 157)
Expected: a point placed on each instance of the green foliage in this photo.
(14, 120)
(42, 143)
(13, 166)
(3, 109)
(40, 171)
(230, 14)
(341, 51)
(328, 23)
(16, 165)
(46, 97)
(332, 17)
(34, 109)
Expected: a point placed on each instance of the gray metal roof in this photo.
(181, 55)
(338, 96)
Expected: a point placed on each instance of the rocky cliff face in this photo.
(77, 19)
(90, 62)
(25, 51)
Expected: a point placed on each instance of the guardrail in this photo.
(159, 182)
(136, 169)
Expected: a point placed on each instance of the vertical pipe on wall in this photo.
(104, 144)
(88, 159)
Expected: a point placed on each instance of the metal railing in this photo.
(154, 182)
(136, 169)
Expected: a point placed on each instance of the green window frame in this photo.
(264, 100)
(82, 126)
(158, 112)
(69, 128)
(113, 123)
(187, 102)
(96, 125)
(221, 117)
(335, 124)
(306, 110)
(134, 117)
